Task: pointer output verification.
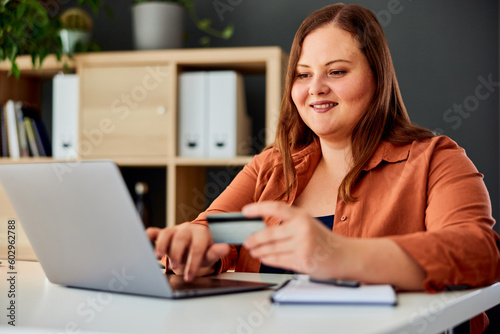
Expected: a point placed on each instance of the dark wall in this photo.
(445, 53)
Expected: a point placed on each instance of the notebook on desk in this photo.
(84, 228)
(302, 290)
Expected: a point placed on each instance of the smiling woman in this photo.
(408, 208)
(334, 85)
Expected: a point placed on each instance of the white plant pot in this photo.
(69, 39)
(157, 25)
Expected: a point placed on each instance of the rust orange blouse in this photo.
(426, 196)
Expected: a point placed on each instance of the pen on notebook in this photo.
(337, 282)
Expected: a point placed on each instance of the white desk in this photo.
(47, 308)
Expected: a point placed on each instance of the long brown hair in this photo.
(386, 117)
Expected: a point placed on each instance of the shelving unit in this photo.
(128, 109)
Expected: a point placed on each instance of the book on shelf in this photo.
(22, 132)
(30, 134)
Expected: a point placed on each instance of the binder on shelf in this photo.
(12, 135)
(229, 126)
(213, 122)
(193, 99)
(65, 116)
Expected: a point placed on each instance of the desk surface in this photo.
(48, 308)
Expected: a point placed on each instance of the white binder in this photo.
(65, 116)
(229, 126)
(213, 122)
(12, 130)
(193, 99)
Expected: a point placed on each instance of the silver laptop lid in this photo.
(83, 226)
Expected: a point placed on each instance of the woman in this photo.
(408, 208)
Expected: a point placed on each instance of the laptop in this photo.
(86, 232)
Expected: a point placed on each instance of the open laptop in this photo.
(84, 228)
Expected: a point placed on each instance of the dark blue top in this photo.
(327, 220)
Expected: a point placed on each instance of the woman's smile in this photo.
(323, 106)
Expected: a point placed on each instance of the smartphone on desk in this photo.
(233, 228)
(337, 282)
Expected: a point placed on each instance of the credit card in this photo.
(233, 228)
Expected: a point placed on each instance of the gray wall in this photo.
(444, 51)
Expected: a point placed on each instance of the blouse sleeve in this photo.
(241, 191)
(459, 246)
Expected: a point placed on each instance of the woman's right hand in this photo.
(189, 247)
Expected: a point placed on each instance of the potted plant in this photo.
(158, 24)
(27, 28)
(76, 27)
(20, 35)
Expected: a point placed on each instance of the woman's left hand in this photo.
(301, 243)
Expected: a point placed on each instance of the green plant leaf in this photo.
(93, 4)
(228, 32)
(13, 53)
(39, 8)
(66, 68)
(14, 69)
(205, 41)
(21, 9)
(204, 24)
(33, 58)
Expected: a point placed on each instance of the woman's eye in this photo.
(302, 75)
(338, 72)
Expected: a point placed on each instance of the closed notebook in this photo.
(302, 291)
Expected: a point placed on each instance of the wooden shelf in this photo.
(51, 66)
(244, 59)
(25, 160)
(142, 162)
(236, 161)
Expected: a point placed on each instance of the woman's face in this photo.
(333, 84)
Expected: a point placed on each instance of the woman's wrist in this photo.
(349, 263)
(380, 261)
(217, 267)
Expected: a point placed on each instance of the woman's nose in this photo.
(318, 86)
